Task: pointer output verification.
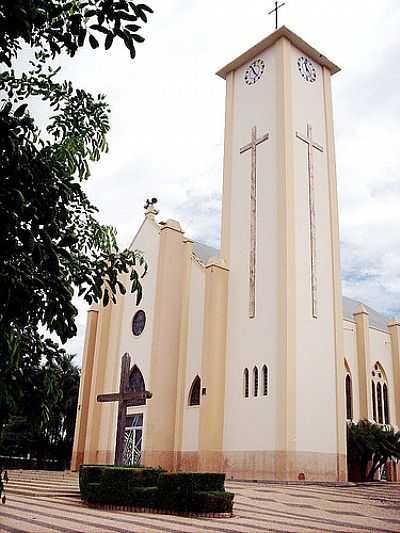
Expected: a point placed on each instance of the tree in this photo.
(370, 446)
(50, 241)
(44, 426)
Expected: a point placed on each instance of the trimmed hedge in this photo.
(212, 502)
(118, 485)
(179, 491)
(192, 481)
(153, 488)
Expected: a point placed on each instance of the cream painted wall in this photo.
(139, 348)
(315, 338)
(259, 341)
(252, 424)
(350, 354)
(190, 434)
(380, 351)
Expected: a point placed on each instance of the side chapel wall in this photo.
(190, 437)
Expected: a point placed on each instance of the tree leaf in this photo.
(106, 298)
(20, 110)
(137, 38)
(108, 41)
(133, 27)
(93, 41)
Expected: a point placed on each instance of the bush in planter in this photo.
(153, 488)
(194, 492)
(119, 485)
(212, 502)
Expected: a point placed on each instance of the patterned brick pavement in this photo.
(45, 502)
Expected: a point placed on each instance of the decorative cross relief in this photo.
(311, 199)
(253, 215)
(123, 397)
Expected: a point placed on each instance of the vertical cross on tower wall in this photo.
(313, 228)
(253, 215)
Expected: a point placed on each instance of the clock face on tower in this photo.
(307, 69)
(254, 72)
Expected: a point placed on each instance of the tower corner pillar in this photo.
(363, 359)
(164, 363)
(211, 425)
(85, 389)
(394, 330)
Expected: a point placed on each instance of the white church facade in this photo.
(253, 357)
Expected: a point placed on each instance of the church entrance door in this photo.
(132, 454)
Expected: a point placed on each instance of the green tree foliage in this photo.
(370, 446)
(44, 426)
(50, 241)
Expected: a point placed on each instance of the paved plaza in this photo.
(49, 502)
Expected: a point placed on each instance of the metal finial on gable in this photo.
(149, 208)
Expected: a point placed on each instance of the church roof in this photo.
(283, 31)
(204, 252)
(376, 320)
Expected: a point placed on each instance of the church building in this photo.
(253, 358)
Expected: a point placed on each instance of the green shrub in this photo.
(133, 496)
(192, 481)
(116, 485)
(176, 491)
(153, 488)
(212, 502)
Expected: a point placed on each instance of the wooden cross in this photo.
(253, 215)
(275, 10)
(311, 199)
(123, 397)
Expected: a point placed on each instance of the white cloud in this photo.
(168, 120)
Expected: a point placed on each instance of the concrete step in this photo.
(43, 484)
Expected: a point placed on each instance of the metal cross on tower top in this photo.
(275, 10)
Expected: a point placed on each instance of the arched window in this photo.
(265, 380)
(349, 398)
(136, 384)
(380, 395)
(246, 383)
(194, 394)
(255, 381)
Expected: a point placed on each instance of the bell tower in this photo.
(280, 239)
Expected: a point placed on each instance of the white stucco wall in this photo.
(190, 433)
(252, 423)
(139, 348)
(380, 352)
(315, 337)
(350, 354)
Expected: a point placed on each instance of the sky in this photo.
(167, 124)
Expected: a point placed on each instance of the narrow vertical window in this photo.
(265, 380)
(386, 404)
(255, 381)
(374, 401)
(194, 395)
(349, 398)
(246, 383)
(379, 396)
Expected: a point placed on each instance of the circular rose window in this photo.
(138, 323)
